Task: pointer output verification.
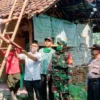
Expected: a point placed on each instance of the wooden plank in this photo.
(10, 42)
(9, 33)
(4, 48)
(4, 39)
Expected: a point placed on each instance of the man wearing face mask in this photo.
(93, 81)
(32, 70)
(46, 52)
(61, 63)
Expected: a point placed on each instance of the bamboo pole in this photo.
(10, 42)
(13, 36)
(6, 25)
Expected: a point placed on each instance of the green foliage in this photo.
(77, 92)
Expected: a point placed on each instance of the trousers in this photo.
(93, 89)
(32, 86)
(44, 87)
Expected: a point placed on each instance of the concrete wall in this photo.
(81, 53)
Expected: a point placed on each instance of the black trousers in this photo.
(32, 86)
(44, 87)
(94, 89)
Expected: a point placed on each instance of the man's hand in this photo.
(70, 81)
(23, 51)
(15, 18)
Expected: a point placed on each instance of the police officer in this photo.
(94, 74)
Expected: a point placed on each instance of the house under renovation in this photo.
(74, 21)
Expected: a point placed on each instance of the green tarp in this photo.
(46, 26)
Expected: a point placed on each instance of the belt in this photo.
(94, 79)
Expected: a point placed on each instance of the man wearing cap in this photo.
(46, 52)
(61, 63)
(94, 74)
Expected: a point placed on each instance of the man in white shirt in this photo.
(32, 70)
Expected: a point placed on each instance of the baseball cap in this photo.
(48, 38)
(95, 47)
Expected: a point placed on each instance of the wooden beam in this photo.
(4, 39)
(10, 42)
(30, 32)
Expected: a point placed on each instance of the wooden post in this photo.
(30, 32)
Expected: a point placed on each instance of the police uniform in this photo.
(94, 76)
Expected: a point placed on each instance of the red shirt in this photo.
(12, 63)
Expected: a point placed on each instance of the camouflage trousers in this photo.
(60, 85)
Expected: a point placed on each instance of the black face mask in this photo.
(92, 53)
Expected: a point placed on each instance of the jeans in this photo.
(93, 89)
(44, 87)
(30, 87)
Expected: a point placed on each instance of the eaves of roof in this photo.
(33, 7)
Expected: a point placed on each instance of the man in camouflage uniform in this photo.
(61, 72)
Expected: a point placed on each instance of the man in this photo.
(61, 72)
(46, 52)
(12, 66)
(13, 72)
(94, 74)
(32, 70)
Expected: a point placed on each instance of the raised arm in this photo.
(30, 56)
(5, 21)
(8, 20)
